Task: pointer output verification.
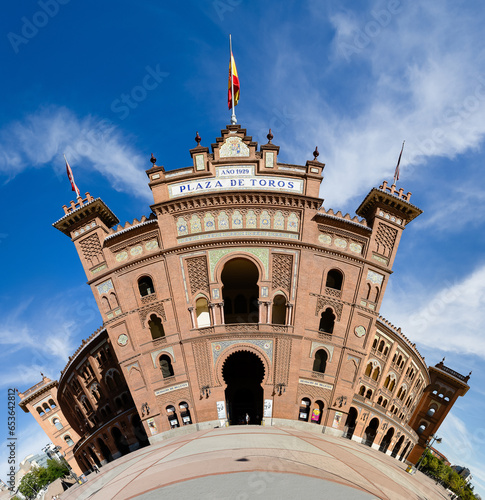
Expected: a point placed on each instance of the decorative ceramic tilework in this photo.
(98, 269)
(181, 227)
(151, 245)
(136, 250)
(105, 287)
(339, 242)
(219, 347)
(292, 224)
(237, 234)
(269, 159)
(278, 221)
(222, 220)
(233, 147)
(209, 224)
(195, 226)
(264, 220)
(199, 162)
(251, 220)
(237, 222)
(215, 293)
(216, 255)
(325, 239)
(121, 256)
(355, 247)
(380, 259)
(374, 277)
(264, 291)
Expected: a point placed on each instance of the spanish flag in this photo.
(233, 83)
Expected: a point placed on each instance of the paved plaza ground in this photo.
(252, 462)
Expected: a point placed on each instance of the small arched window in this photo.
(166, 366)
(384, 403)
(278, 316)
(68, 440)
(421, 428)
(375, 373)
(327, 321)
(368, 370)
(392, 384)
(320, 361)
(361, 390)
(40, 411)
(368, 394)
(57, 424)
(379, 400)
(374, 345)
(334, 279)
(52, 404)
(145, 286)
(381, 346)
(156, 327)
(202, 313)
(431, 412)
(46, 408)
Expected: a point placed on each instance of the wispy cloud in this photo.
(41, 138)
(422, 79)
(42, 336)
(454, 312)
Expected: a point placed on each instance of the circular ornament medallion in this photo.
(359, 331)
(325, 239)
(123, 339)
(339, 242)
(136, 250)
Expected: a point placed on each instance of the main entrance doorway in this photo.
(243, 373)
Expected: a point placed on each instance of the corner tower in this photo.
(438, 398)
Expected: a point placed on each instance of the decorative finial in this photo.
(315, 154)
(270, 137)
(41, 374)
(153, 160)
(198, 139)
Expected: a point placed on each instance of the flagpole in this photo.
(233, 116)
(396, 172)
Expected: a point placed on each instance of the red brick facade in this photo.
(240, 295)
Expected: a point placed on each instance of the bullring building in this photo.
(240, 298)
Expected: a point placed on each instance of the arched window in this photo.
(166, 366)
(384, 403)
(381, 346)
(145, 286)
(40, 411)
(110, 383)
(392, 384)
(375, 373)
(379, 400)
(156, 327)
(52, 404)
(386, 350)
(368, 394)
(387, 381)
(320, 361)
(334, 279)
(117, 379)
(368, 370)
(431, 411)
(105, 304)
(361, 390)
(374, 345)
(118, 403)
(422, 428)
(327, 321)
(202, 313)
(57, 424)
(278, 316)
(68, 440)
(46, 408)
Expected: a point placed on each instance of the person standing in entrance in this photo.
(247, 419)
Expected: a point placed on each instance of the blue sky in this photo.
(109, 82)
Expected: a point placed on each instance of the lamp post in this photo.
(428, 446)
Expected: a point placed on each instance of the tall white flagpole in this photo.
(233, 116)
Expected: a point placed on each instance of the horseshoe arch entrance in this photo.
(243, 373)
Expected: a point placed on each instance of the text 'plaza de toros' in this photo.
(240, 298)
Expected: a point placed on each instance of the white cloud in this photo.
(455, 312)
(41, 139)
(420, 78)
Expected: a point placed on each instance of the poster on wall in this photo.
(337, 419)
(221, 410)
(316, 415)
(268, 408)
(152, 426)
